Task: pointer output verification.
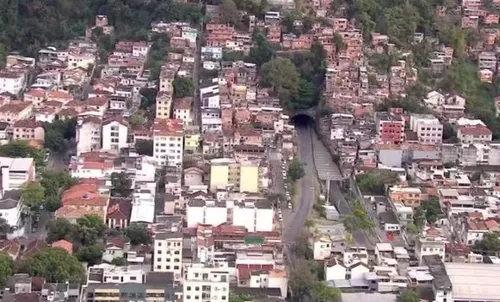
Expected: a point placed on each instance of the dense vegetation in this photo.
(28, 25)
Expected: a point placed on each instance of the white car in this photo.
(290, 205)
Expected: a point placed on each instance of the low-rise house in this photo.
(82, 199)
(15, 111)
(116, 248)
(11, 208)
(118, 213)
(28, 130)
(182, 110)
(470, 134)
(63, 244)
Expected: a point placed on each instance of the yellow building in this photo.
(192, 138)
(219, 173)
(249, 178)
(163, 104)
(410, 197)
(243, 177)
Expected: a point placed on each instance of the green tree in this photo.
(262, 51)
(91, 254)
(23, 149)
(322, 292)
(121, 183)
(60, 228)
(233, 56)
(374, 182)
(408, 295)
(148, 99)
(137, 120)
(239, 297)
(183, 87)
(281, 75)
(90, 229)
(144, 147)
(296, 170)
(302, 278)
(138, 234)
(6, 268)
(33, 194)
(431, 209)
(119, 261)
(54, 181)
(58, 134)
(56, 265)
(489, 243)
(229, 13)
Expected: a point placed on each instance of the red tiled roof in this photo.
(97, 101)
(475, 130)
(64, 244)
(168, 127)
(119, 209)
(30, 123)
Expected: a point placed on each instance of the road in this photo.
(295, 223)
(196, 79)
(359, 236)
(310, 150)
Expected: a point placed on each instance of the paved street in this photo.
(295, 223)
(196, 82)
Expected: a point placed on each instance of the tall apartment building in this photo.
(206, 284)
(390, 127)
(163, 104)
(242, 176)
(428, 128)
(114, 134)
(88, 134)
(168, 139)
(157, 287)
(167, 254)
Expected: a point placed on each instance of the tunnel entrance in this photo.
(303, 121)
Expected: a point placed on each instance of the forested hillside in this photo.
(27, 25)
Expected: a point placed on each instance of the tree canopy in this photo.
(90, 228)
(29, 25)
(296, 170)
(138, 234)
(262, 51)
(60, 228)
(374, 182)
(56, 265)
(23, 149)
(144, 147)
(58, 134)
(33, 194)
(183, 87)
(121, 184)
(6, 268)
(408, 295)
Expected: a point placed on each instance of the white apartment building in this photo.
(430, 246)
(108, 273)
(167, 255)
(16, 172)
(182, 110)
(114, 134)
(206, 284)
(428, 128)
(209, 95)
(11, 207)
(88, 134)
(254, 216)
(12, 81)
(209, 212)
(168, 139)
